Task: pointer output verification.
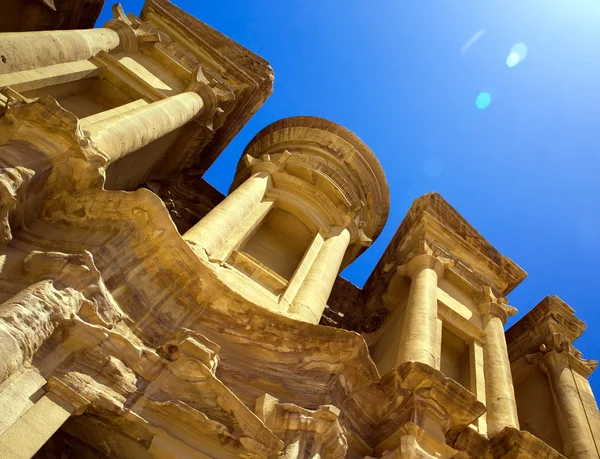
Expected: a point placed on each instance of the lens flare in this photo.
(483, 100)
(517, 54)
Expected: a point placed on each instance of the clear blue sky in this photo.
(524, 171)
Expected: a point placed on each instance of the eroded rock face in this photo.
(167, 357)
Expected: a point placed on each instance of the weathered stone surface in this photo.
(142, 314)
(550, 373)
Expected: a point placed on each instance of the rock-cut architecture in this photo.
(145, 315)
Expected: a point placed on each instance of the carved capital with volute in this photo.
(214, 94)
(424, 257)
(133, 33)
(490, 306)
(557, 351)
(267, 163)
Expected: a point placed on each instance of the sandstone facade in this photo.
(143, 314)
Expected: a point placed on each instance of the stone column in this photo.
(499, 389)
(29, 50)
(419, 338)
(216, 227)
(311, 299)
(124, 133)
(575, 430)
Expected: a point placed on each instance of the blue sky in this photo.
(524, 170)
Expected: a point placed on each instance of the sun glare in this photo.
(517, 54)
(483, 100)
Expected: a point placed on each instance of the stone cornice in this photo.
(188, 42)
(513, 443)
(421, 257)
(460, 406)
(290, 422)
(476, 262)
(419, 392)
(558, 352)
(419, 263)
(331, 158)
(474, 259)
(330, 161)
(550, 316)
(551, 311)
(79, 402)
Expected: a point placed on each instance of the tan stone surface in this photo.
(541, 350)
(23, 439)
(500, 394)
(142, 315)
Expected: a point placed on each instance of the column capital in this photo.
(424, 256)
(557, 352)
(421, 262)
(267, 163)
(356, 227)
(489, 305)
(79, 402)
(132, 32)
(214, 93)
(499, 310)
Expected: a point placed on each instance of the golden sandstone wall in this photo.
(143, 314)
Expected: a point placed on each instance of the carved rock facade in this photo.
(142, 314)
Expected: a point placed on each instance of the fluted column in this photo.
(499, 389)
(217, 226)
(311, 299)
(557, 360)
(124, 133)
(29, 50)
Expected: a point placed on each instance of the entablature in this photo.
(475, 263)
(546, 332)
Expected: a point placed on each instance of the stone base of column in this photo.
(413, 442)
(306, 433)
(513, 443)
(426, 405)
(17, 395)
(26, 436)
(469, 442)
(165, 446)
